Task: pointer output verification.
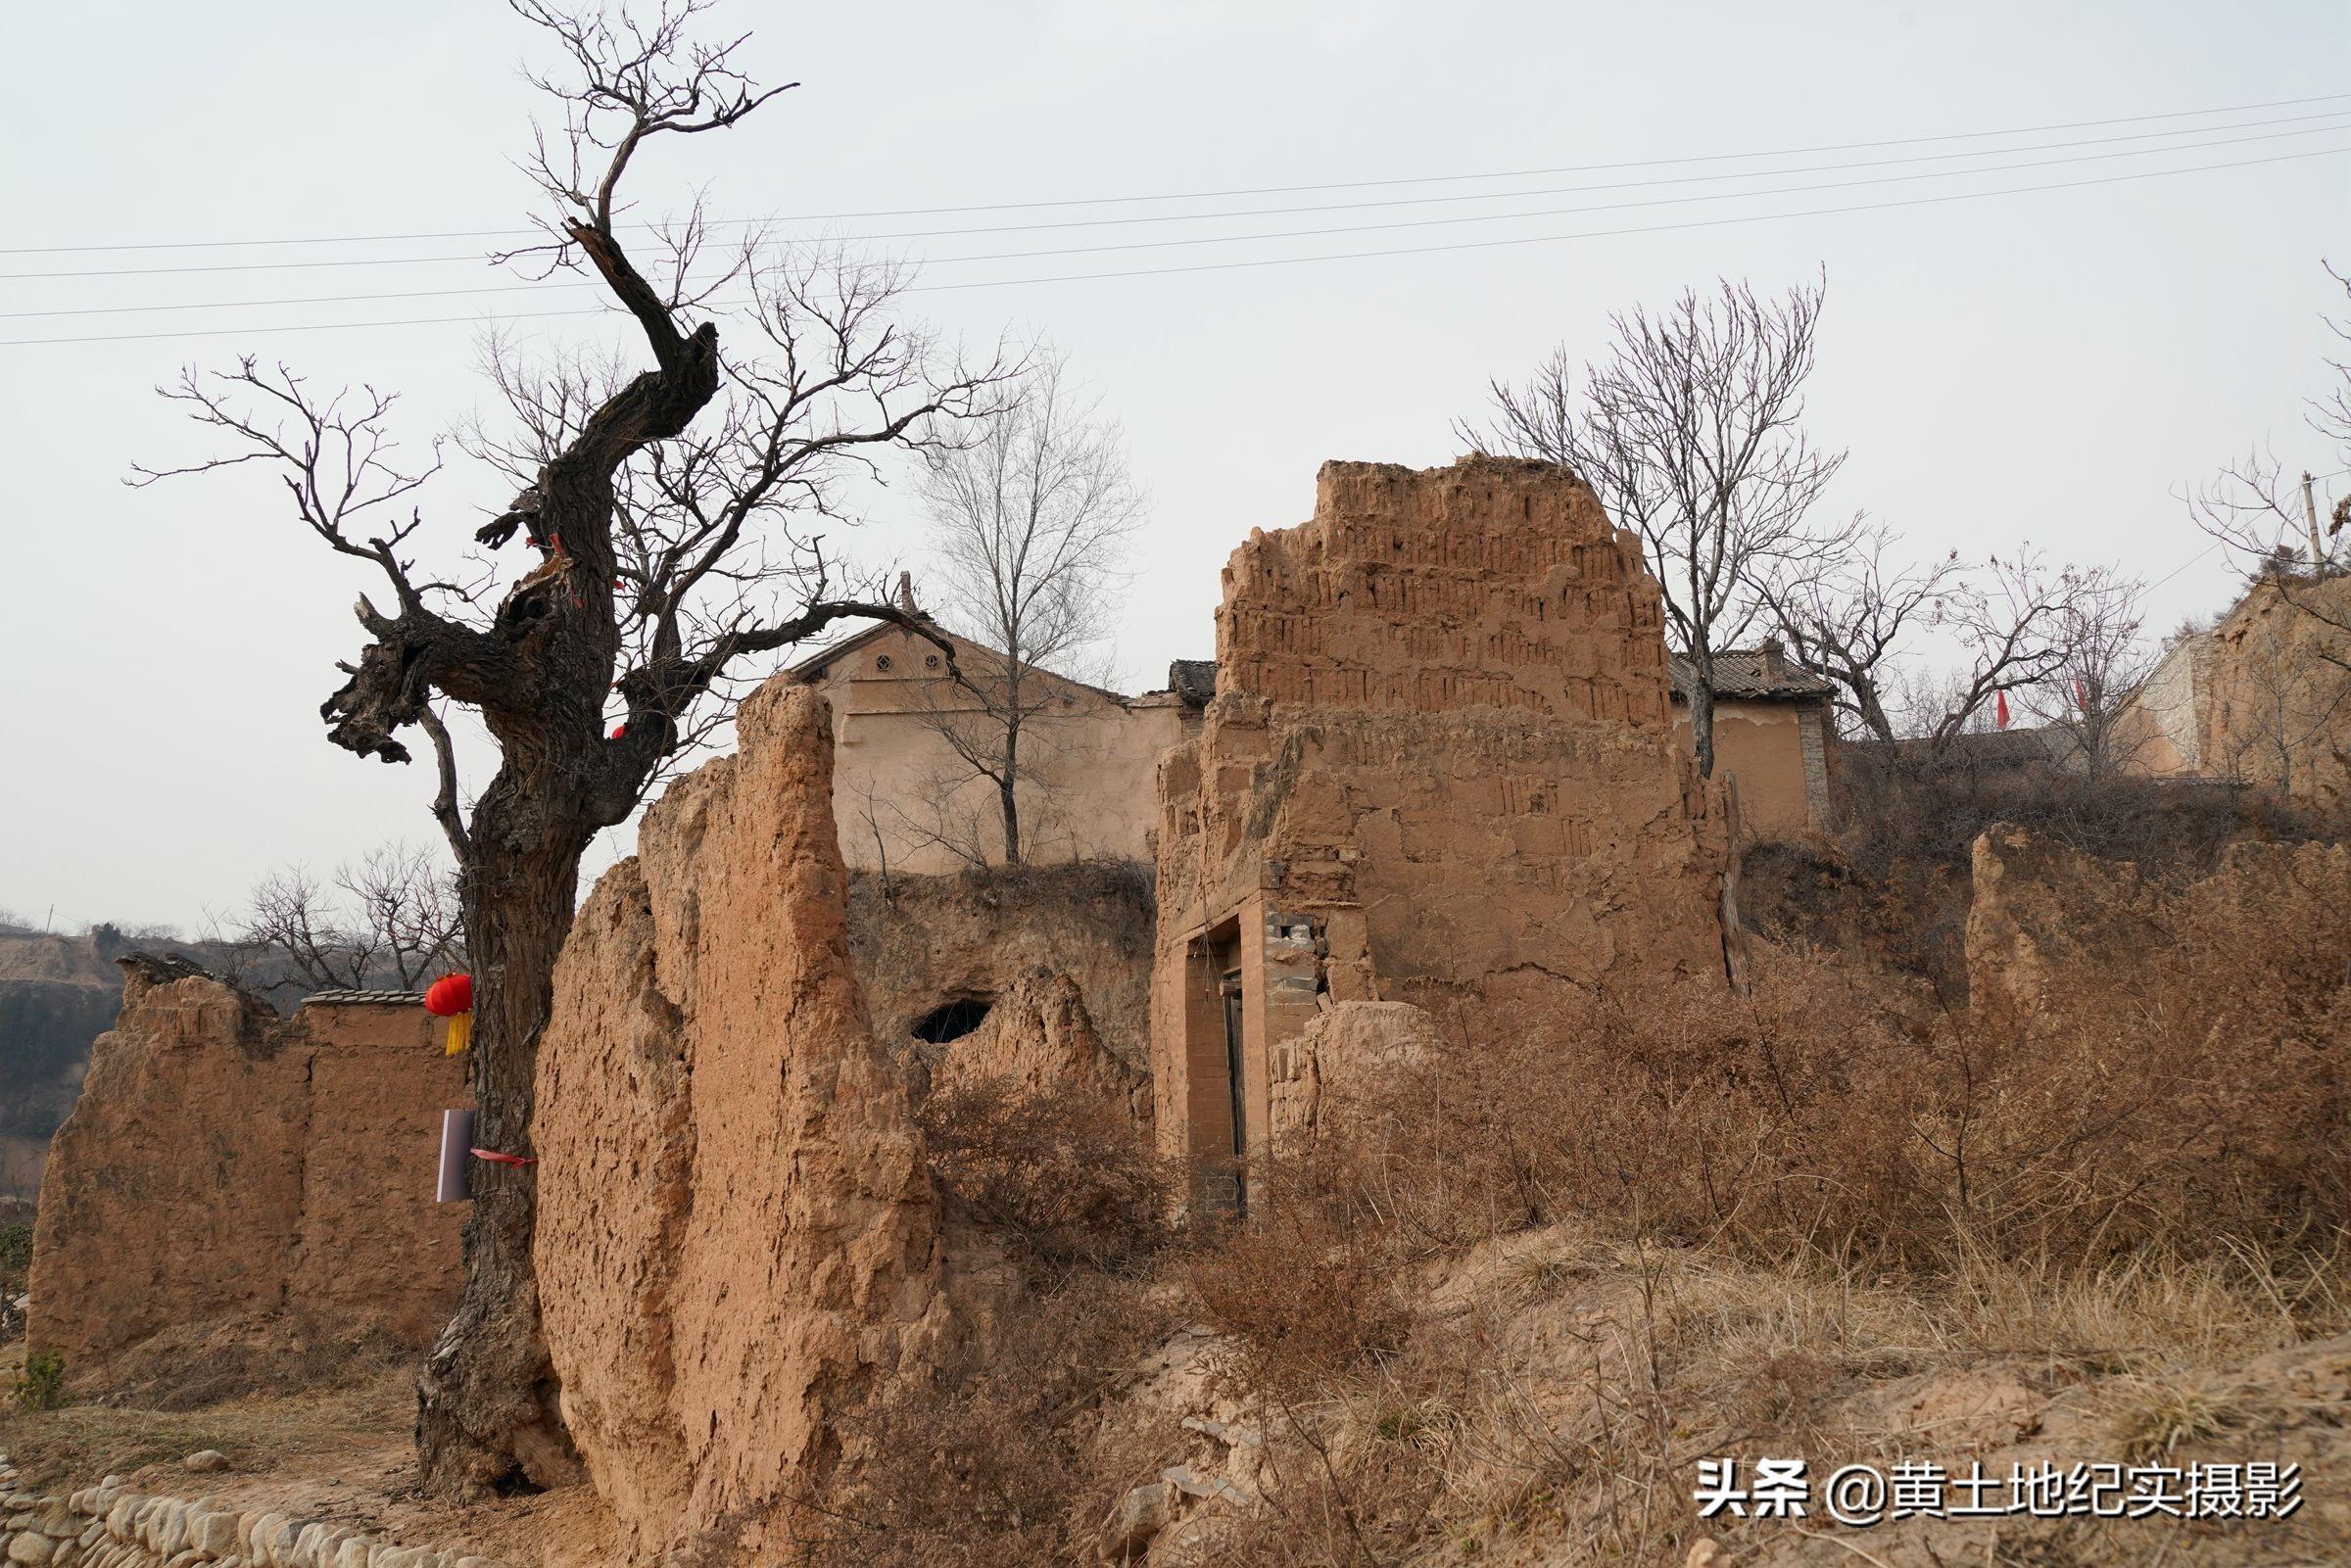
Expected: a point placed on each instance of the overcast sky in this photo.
(2051, 365)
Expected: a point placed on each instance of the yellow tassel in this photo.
(460, 1033)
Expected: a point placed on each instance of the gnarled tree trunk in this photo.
(486, 1409)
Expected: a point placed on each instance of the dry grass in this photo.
(1564, 1390)
(1539, 1276)
(1062, 1176)
(2178, 1105)
(1795, 1224)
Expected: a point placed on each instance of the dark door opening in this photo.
(1237, 1083)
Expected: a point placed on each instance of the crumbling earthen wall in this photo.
(738, 1234)
(2046, 920)
(925, 941)
(2280, 703)
(1059, 956)
(1440, 768)
(228, 1171)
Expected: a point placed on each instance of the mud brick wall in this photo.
(1440, 767)
(225, 1170)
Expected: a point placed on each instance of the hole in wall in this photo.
(951, 1020)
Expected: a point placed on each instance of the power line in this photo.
(1611, 207)
(1290, 260)
(1651, 228)
(1261, 190)
(2182, 567)
(1212, 239)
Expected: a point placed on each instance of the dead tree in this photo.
(2106, 659)
(2275, 528)
(1692, 433)
(1846, 620)
(389, 920)
(1029, 523)
(666, 565)
(2017, 617)
(2291, 540)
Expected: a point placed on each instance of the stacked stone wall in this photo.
(111, 1526)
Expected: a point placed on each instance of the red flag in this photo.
(2002, 710)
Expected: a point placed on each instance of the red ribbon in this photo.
(494, 1157)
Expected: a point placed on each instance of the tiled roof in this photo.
(365, 998)
(1748, 673)
(1194, 679)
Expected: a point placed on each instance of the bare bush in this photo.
(1064, 1173)
(989, 1463)
(2178, 1105)
(1303, 1290)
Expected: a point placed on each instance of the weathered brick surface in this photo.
(228, 1171)
(1440, 768)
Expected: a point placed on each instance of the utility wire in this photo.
(1139, 245)
(1288, 261)
(1261, 190)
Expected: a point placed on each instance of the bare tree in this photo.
(1691, 431)
(2106, 659)
(1844, 619)
(1029, 523)
(668, 566)
(2291, 678)
(390, 920)
(2017, 618)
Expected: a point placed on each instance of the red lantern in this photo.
(619, 730)
(449, 996)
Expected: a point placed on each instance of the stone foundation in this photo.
(108, 1526)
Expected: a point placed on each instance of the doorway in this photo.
(1236, 1084)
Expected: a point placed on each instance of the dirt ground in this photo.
(340, 1454)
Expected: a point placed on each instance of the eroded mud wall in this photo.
(228, 1175)
(738, 1237)
(1440, 768)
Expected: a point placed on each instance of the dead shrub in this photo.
(1895, 883)
(2193, 1097)
(1305, 1291)
(986, 1464)
(1062, 1173)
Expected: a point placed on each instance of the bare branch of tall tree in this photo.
(388, 921)
(1844, 619)
(669, 511)
(1691, 431)
(2106, 660)
(1029, 524)
(2017, 619)
(2285, 528)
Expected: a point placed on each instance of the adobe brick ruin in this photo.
(738, 1235)
(1439, 768)
(233, 1185)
